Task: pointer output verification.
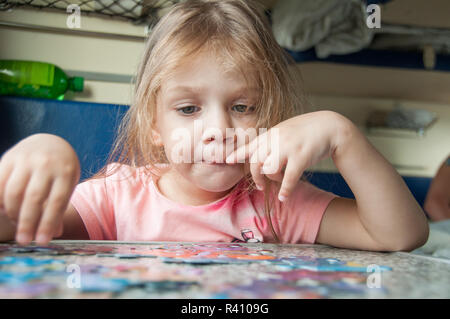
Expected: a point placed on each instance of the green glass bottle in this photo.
(36, 79)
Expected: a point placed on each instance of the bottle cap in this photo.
(76, 84)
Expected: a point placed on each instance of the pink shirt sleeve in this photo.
(90, 199)
(300, 215)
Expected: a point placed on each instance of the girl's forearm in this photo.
(386, 207)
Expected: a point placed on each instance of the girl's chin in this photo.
(219, 167)
(216, 188)
(218, 180)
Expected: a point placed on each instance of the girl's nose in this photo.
(216, 126)
(217, 138)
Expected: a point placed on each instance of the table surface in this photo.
(191, 270)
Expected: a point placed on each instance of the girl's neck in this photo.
(178, 189)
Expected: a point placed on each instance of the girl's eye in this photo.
(187, 110)
(240, 108)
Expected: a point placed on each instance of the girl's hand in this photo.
(37, 177)
(285, 151)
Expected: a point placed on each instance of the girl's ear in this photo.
(157, 138)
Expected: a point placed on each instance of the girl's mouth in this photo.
(213, 163)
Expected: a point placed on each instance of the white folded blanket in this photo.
(331, 26)
(438, 244)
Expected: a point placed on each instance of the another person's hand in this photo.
(437, 202)
(37, 178)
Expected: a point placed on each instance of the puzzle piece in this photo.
(299, 284)
(168, 285)
(269, 289)
(96, 283)
(321, 264)
(26, 290)
(92, 268)
(204, 261)
(59, 250)
(28, 261)
(11, 277)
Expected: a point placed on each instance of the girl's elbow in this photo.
(417, 240)
(423, 232)
(426, 234)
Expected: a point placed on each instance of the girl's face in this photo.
(196, 105)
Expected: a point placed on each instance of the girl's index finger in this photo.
(231, 158)
(241, 153)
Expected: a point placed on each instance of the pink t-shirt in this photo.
(128, 206)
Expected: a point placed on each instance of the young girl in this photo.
(213, 65)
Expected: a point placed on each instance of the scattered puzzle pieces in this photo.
(174, 268)
(26, 290)
(28, 261)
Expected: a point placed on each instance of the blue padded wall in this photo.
(89, 127)
(335, 183)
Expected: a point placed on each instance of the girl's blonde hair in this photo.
(238, 33)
